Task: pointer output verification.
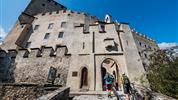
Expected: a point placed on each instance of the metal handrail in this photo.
(115, 92)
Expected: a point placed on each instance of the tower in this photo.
(108, 18)
(21, 31)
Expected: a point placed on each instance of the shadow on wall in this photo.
(7, 67)
(112, 47)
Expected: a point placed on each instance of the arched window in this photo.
(84, 78)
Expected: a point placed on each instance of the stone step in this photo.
(94, 97)
(98, 96)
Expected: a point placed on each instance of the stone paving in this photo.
(94, 97)
(97, 96)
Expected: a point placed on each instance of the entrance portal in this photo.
(110, 66)
(84, 78)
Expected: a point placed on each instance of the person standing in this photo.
(108, 79)
(126, 85)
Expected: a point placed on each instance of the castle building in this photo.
(49, 43)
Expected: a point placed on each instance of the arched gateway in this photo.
(110, 66)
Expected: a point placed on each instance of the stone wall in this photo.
(89, 41)
(133, 61)
(145, 46)
(60, 94)
(71, 19)
(26, 18)
(24, 91)
(34, 66)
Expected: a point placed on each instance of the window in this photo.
(28, 44)
(50, 25)
(43, 14)
(83, 45)
(52, 74)
(64, 11)
(22, 26)
(102, 27)
(140, 43)
(43, 4)
(60, 34)
(140, 54)
(62, 7)
(47, 36)
(36, 27)
(56, 3)
(145, 46)
(74, 74)
(57, 12)
(146, 56)
(68, 14)
(63, 24)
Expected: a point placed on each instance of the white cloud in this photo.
(2, 32)
(165, 45)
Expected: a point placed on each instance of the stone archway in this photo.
(109, 65)
(84, 78)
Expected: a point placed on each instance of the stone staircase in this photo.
(138, 93)
(96, 95)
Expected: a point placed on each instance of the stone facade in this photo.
(34, 66)
(146, 47)
(78, 46)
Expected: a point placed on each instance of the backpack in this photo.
(109, 79)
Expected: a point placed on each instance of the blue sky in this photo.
(157, 19)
